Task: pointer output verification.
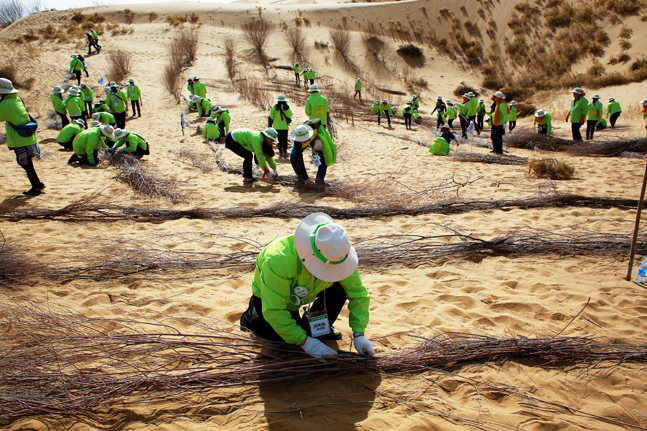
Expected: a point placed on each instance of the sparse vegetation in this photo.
(256, 32)
(294, 37)
(341, 42)
(597, 69)
(194, 18)
(129, 16)
(152, 16)
(626, 32)
(411, 51)
(10, 72)
(181, 54)
(119, 65)
(229, 57)
(462, 89)
(177, 20)
(625, 45)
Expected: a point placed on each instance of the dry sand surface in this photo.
(490, 294)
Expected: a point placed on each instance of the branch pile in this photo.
(539, 142)
(467, 156)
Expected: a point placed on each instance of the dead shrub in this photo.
(186, 46)
(306, 21)
(129, 16)
(624, 57)
(255, 92)
(550, 168)
(411, 51)
(194, 18)
(374, 46)
(177, 20)
(526, 109)
(341, 42)
(294, 37)
(596, 69)
(30, 35)
(119, 64)
(48, 32)
(462, 89)
(626, 32)
(613, 60)
(321, 45)
(230, 63)
(625, 45)
(624, 7)
(256, 32)
(10, 72)
(152, 16)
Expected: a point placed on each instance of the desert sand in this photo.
(525, 296)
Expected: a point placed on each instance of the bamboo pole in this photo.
(637, 224)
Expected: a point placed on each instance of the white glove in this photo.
(276, 174)
(318, 145)
(269, 176)
(317, 349)
(363, 346)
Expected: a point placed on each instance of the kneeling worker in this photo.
(211, 131)
(88, 143)
(317, 267)
(135, 144)
(66, 136)
(544, 122)
(313, 135)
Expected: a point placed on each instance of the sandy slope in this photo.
(524, 296)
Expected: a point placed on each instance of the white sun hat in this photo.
(324, 248)
(540, 113)
(611, 99)
(6, 87)
(195, 98)
(481, 101)
(281, 98)
(215, 109)
(107, 131)
(58, 90)
(448, 101)
(95, 123)
(596, 96)
(313, 88)
(439, 97)
(514, 102)
(644, 102)
(120, 133)
(96, 116)
(577, 90)
(302, 133)
(271, 133)
(499, 95)
(80, 121)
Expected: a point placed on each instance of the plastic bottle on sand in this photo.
(642, 272)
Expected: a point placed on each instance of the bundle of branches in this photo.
(467, 156)
(220, 161)
(57, 361)
(16, 266)
(146, 181)
(93, 208)
(551, 168)
(191, 158)
(536, 141)
(632, 148)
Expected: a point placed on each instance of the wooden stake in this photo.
(637, 225)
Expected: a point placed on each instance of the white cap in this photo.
(499, 95)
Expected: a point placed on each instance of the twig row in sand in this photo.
(146, 181)
(192, 158)
(619, 148)
(59, 362)
(467, 156)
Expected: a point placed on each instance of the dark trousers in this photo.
(221, 129)
(83, 159)
(464, 124)
(440, 120)
(297, 78)
(88, 109)
(321, 170)
(387, 115)
(497, 139)
(254, 321)
(135, 103)
(613, 118)
(283, 141)
(312, 81)
(67, 145)
(358, 92)
(577, 135)
(29, 170)
(513, 124)
(77, 73)
(238, 149)
(407, 120)
(479, 121)
(450, 122)
(476, 126)
(120, 118)
(64, 120)
(590, 128)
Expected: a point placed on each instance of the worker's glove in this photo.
(363, 346)
(110, 150)
(582, 122)
(318, 146)
(317, 349)
(92, 164)
(276, 174)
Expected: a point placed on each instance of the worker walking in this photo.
(135, 145)
(248, 143)
(613, 111)
(280, 118)
(88, 97)
(472, 110)
(544, 122)
(68, 133)
(317, 105)
(407, 113)
(500, 117)
(20, 130)
(513, 115)
(451, 113)
(117, 101)
(595, 113)
(480, 113)
(222, 118)
(316, 267)
(76, 67)
(441, 108)
(578, 112)
(358, 89)
(296, 73)
(313, 135)
(59, 105)
(134, 95)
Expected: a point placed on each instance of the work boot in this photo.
(35, 190)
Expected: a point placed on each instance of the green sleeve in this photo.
(358, 302)
(119, 144)
(257, 144)
(308, 107)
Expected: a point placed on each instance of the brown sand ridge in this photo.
(491, 293)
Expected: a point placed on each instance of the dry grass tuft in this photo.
(181, 54)
(230, 63)
(256, 32)
(341, 42)
(551, 168)
(119, 65)
(152, 16)
(294, 37)
(254, 90)
(177, 20)
(10, 72)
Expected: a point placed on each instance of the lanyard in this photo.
(313, 284)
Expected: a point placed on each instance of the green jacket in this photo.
(463, 107)
(513, 113)
(199, 89)
(317, 107)
(205, 104)
(190, 88)
(501, 114)
(252, 140)
(596, 111)
(358, 86)
(12, 110)
(89, 141)
(133, 92)
(107, 118)
(279, 270)
(472, 103)
(100, 107)
(579, 108)
(76, 65)
(132, 141)
(95, 36)
(451, 112)
(329, 149)
(375, 108)
(407, 110)
(385, 108)
(279, 121)
(223, 118)
(440, 147)
(211, 131)
(117, 102)
(481, 109)
(415, 115)
(74, 105)
(416, 103)
(613, 107)
(59, 104)
(68, 132)
(547, 120)
(88, 94)
(296, 68)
